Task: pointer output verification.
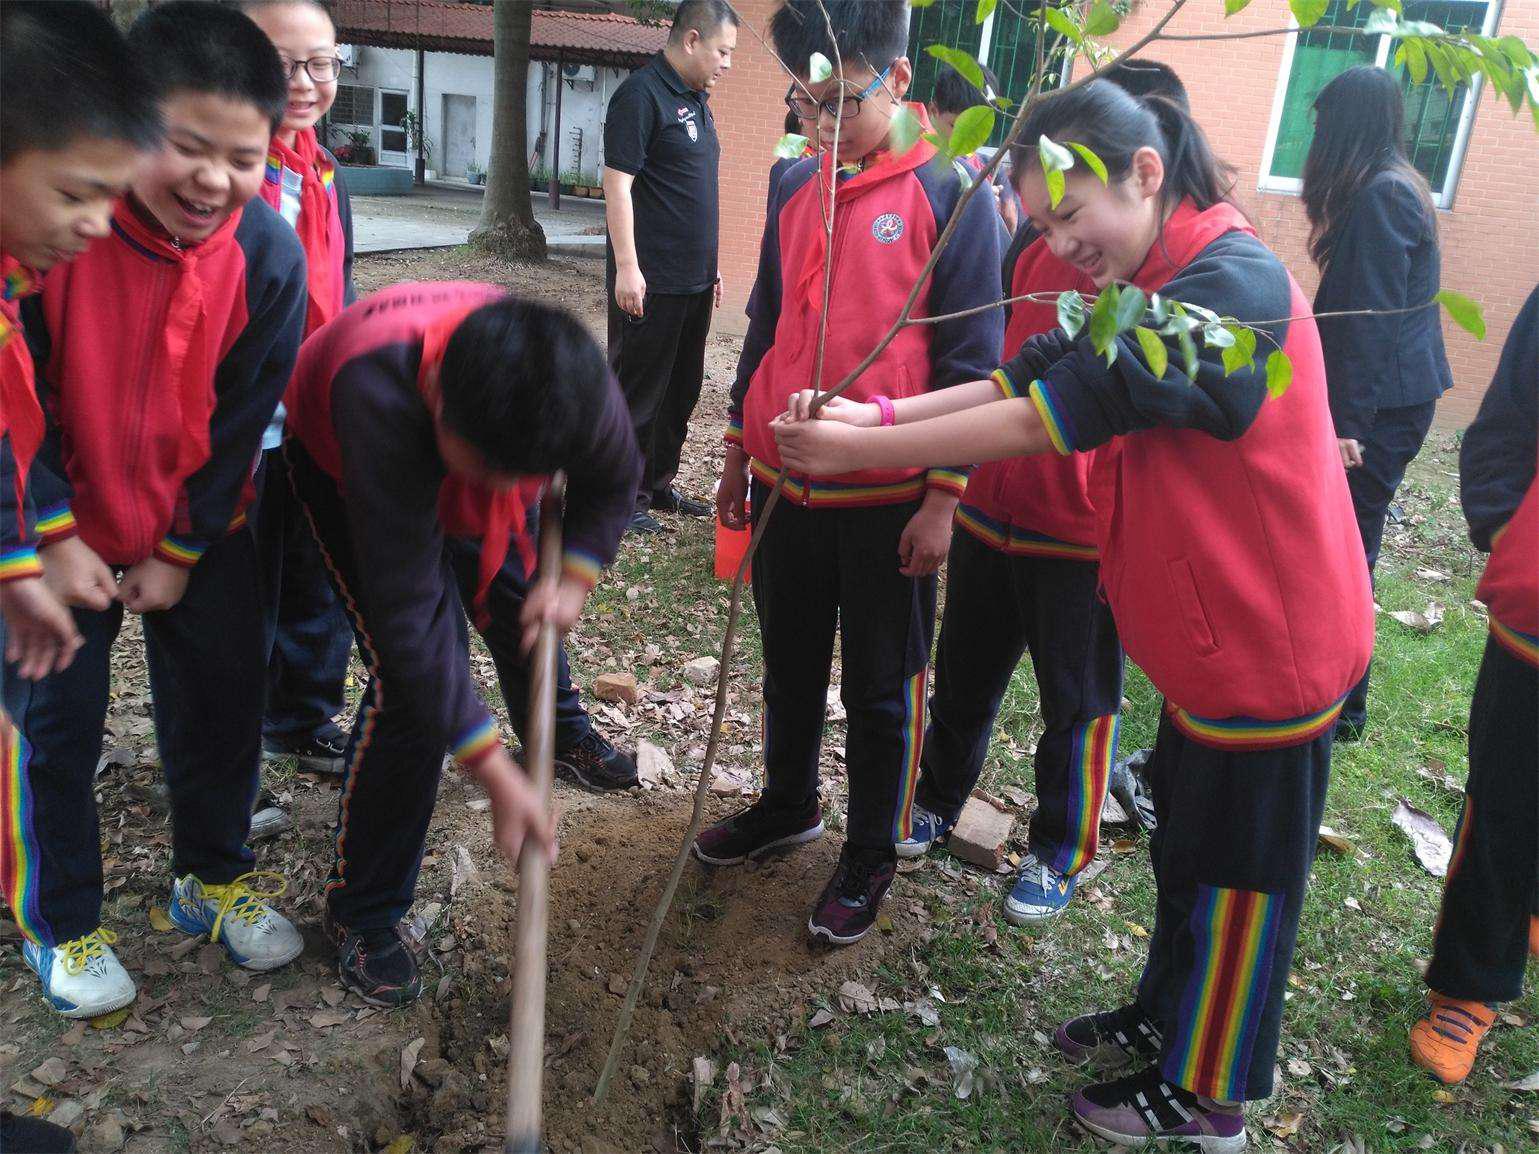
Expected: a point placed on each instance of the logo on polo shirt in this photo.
(687, 119)
(887, 228)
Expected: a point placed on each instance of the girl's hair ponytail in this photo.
(1114, 125)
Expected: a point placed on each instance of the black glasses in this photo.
(321, 69)
(846, 106)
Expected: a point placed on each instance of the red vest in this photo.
(1510, 585)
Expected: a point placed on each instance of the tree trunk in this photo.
(508, 227)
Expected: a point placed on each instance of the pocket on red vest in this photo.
(1189, 603)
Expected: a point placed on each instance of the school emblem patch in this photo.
(692, 129)
(687, 119)
(887, 228)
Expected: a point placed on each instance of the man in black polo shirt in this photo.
(660, 197)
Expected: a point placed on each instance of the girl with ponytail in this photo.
(1231, 562)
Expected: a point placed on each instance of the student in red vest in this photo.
(1230, 558)
(1023, 576)
(308, 637)
(1486, 920)
(161, 353)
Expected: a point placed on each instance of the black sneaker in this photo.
(1144, 1108)
(595, 764)
(673, 501)
(846, 911)
(1113, 1037)
(754, 831)
(322, 752)
(644, 523)
(268, 818)
(33, 1135)
(377, 965)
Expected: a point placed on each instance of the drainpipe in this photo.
(555, 145)
(421, 115)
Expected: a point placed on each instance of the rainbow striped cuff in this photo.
(179, 551)
(1524, 646)
(477, 743)
(953, 481)
(1052, 418)
(581, 566)
(1246, 733)
(19, 563)
(236, 522)
(55, 523)
(1007, 388)
(734, 433)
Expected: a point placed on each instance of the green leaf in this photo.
(1381, 21)
(1063, 24)
(1055, 185)
(791, 146)
(1071, 312)
(819, 68)
(985, 10)
(903, 130)
(1415, 57)
(1103, 318)
(1242, 353)
(963, 62)
(1188, 352)
(1092, 161)
(1130, 307)
(920, 3)
(1279, 374)
(1233, 6)
(971, 130)
(1155, 351)
(1308, 12)
(1055, 160)
(1464, 312)
(1102, 20)
(1217, 336)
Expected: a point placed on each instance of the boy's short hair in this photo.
(321, 6)
(199, 46)
(523, 382)
(955, 93)
(69, 74)
(870, 32)
(1148, 78)
(702, 16)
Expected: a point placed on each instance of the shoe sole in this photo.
(910, 852)
(795, 839)
(1019, 917)
(824, 934)
(382, 1003)
(1207, 1143)
(81, 1013)
(256, 966)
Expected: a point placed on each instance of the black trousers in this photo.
(822, 570)
(1391, 445)
(1231, 853)
(205, 663)
(997, 608)
(1480, 944)
(659, 358)
(393, 764)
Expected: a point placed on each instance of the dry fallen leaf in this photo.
(704, 1072)
(51, 1072)
(964, 1068)
(159, 921)
(1529, 1083)
(325, 1019)
(820, 1018)
(855, 998)
(1424, 622)
(193, 1024)
(409, 1054)
(1335, 842)
(1433, 849)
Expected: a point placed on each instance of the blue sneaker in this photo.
(238, 917)
(1041, 892)
(927, 829)
(81, 978)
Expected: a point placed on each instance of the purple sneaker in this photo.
(1115, 1037)
(847, 908)
(1144, 1108)
(754, 831)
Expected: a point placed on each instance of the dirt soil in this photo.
(213, 1058)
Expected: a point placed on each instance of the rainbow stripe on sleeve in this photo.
(1052, 419)
(477, 743)
(20, 563)
(55, 523)
(581, 566)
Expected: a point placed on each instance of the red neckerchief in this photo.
(1187, 232)
(500, 515)
(319, 225)
(809, 283)
(186, 348)
(20, 414)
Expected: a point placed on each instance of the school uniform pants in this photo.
(999, 607)
(659, 360)
(307, 637)
(205, 665)
(1231, 852)
(390, 784)
(819, 571)
(1480, 944)
(1389, 447)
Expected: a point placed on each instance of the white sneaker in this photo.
(81, 978)
(238, 917)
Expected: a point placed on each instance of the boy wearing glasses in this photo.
(306, 636)
(856, 551)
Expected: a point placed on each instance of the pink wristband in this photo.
(885, 406)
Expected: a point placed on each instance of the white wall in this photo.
(581, 107)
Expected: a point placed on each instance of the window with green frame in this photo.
(1433, 118)
(1010, 52)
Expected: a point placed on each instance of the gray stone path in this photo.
(442, 216)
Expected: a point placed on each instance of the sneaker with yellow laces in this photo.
(1445, 1041)
(236, 915)
(82, 978)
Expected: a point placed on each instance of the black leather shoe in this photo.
(644, 523)
(673, 501)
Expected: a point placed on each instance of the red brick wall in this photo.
(1490, 236)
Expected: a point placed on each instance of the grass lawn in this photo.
(883, 1082)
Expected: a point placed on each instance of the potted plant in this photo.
(475, 173)
(357, 147)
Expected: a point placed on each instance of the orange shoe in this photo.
(1445, 1041)
(1533, 936)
